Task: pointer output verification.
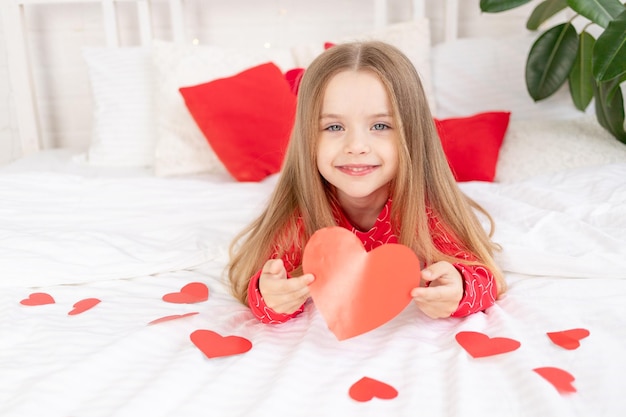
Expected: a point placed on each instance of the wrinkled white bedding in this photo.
(67, 229)
(567, 224)
(128, 241)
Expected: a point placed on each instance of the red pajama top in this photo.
(479, 286)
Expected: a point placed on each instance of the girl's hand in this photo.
(281, 294)
(442, 296)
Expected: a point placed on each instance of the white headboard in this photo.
(20, 69)
(19, 55)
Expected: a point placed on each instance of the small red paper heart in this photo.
(560, 379)
(480, 345)
(214, 345)
(354, 290)
(194, 292)
(568, 339)
(367, 388)
(83, 305)
(172, 317)
(38, 299)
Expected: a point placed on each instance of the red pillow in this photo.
(472, 144)
(246, 118)
(294, 77)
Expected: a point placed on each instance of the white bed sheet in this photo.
(67, 223)
(130, 240)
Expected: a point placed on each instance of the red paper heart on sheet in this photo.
(560, 379)
(568, 339)
(480, 345)
(354, 290)
(83, 305)
(172, 317)
(38, 299)
(194, 292)
(214, 345)
(367, 388)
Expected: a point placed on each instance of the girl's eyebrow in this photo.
(334, 116)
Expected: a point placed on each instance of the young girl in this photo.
(364, 154)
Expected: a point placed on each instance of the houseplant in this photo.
(594, 67)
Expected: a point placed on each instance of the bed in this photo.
(113, 298)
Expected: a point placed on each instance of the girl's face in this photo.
(357, 149)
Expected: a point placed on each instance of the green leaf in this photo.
(610, 112)
(600, 12)
(496, 6)
(616, 84)
(581, 79)
(543, 12)
(550, 60)
(609, 54)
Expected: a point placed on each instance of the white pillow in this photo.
(123, 124)
(472, 75)
(412, 38)
(538, 147)
(181, 147)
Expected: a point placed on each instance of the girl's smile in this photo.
(357, 170)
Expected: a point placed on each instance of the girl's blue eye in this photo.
(334, 128)
(380, 126)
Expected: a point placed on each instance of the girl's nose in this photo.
(356, 143)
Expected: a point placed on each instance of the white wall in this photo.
(58, 32)
(8, 137)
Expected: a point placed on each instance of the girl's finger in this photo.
(298, 283)
(430, 294)
(273, 266)
(436, 270)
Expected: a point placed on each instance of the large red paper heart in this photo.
(214, 345)
(560, 379)
(194, 292)
(83, 305)
(354, 290)
(367, 388)
(480, 345)
(568, 339)
(37, 299)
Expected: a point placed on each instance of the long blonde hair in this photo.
(424, 179)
